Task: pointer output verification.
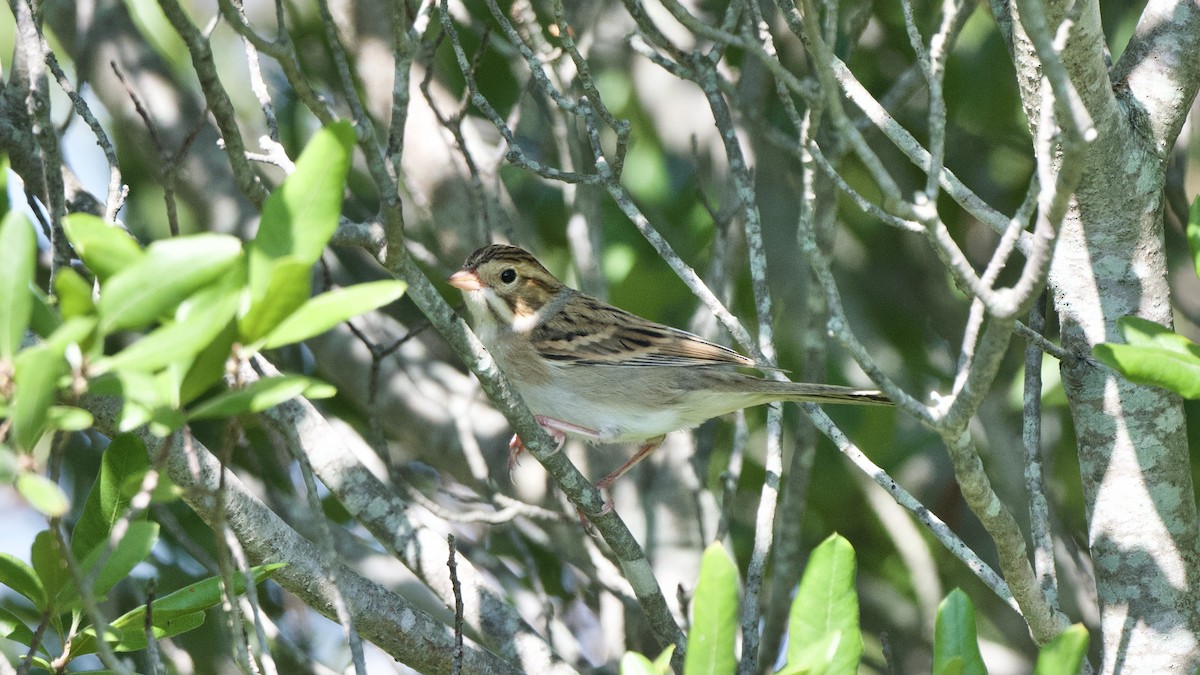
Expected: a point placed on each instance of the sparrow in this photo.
(590, 370)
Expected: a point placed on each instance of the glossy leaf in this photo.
(1064, 654)
(300, 216)
(662, 664)
(127, 552)
(164, 489)
(815, 658)
(131, 549)
(1141, 332)
(288, 288)
(20, 577)
(37, 372)
(45, 318)
(144, 396)
(43, 494)
(633, 663)
(198, 321)
(1154, 355)
(18, 260)
(713, 634)
(169, 612)
(208, 367)
(105, 248)
(171, 270)
(258, 396)
(49, 563)
(74, 293)
(955, 643)
(68, 418)
(13, 628)
(107, 501)
(827, 604)
(329, 309)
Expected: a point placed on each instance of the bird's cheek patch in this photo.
(525, 322)
(498, 305)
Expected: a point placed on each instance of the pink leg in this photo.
(605, 483)
(552, 425)
(557, 429)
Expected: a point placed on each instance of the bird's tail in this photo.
(831, 393)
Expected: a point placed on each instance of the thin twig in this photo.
(1031, 437)
(452, 567)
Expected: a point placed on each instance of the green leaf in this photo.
(104, 247)
(50, 564)
(713, 634)
(124, 458)
(198, 321)
(208, 368)
(156, 30)
(662, 664)
(955, 645)
(43, 494)
(77, 331)
(13, 628)
(1154, 355)
(74, 293)
(301, 215)
(45, 318)
(1193, 233)
(329, 309)
(144, 398)
(1064, 654)
(20, 577)
(633, 663)
(169, 612)
(68, 418)
(132, 548)
(171, 270)
(18, 264)
(37, 372)
(815, 658)
(825, 610)
(258, 396)
(1140, 332)
(288, 287)
(164, 489)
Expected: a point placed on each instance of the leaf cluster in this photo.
(107, 545)
(193, 303)
(184, 311)
(824, 637)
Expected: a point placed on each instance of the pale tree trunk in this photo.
(1110, 262)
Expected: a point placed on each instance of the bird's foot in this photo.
(557, 429)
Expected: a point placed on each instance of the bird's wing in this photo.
(587, 331)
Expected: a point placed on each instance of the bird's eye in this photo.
(508, 276)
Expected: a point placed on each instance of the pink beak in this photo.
(466, 280)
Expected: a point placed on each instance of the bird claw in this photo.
(553, 427)
(515, 448)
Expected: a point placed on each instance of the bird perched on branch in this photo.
(591, 370)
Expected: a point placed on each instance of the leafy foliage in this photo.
(180, 306)
(824, 637)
